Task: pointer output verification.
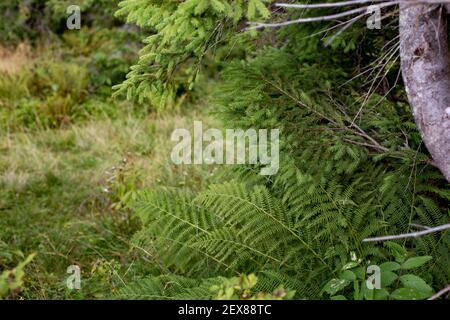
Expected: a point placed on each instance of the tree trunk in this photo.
(425, 61)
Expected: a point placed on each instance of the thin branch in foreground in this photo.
(351, 3)
(379, 148)
(409, 235)
(383, 4)
(258, 25)
(440, 293)
(326, 5)
(419, 226)
(347, 25)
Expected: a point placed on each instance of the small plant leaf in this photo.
(415, 262)
(387, 278)
(415, 282)
(390, 266)
(335, 285)
(408, 294)
(350, 265)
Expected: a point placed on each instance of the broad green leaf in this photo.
(350, 265)
(360, 273)
(415, 262)
(368, 293)
(390, 266)
(380, 294)
(348, 275)
(339, 297)
(387, 278)
(408, 294)
(415, 282)
(335, 285)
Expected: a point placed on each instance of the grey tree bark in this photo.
(425, 63)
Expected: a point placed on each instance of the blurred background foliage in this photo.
(49, 71)
(33, 19)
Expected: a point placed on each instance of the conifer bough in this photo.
(425, 64)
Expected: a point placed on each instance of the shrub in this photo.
(61, 78)
(108, 54)
(44, 94)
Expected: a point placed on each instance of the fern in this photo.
(232, 228)
(347, 171)
(167, 287)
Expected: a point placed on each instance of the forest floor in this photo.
(64, 193)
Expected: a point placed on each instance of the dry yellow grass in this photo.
(104, 143)
(11, 61)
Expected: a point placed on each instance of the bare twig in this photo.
(368, 95)
(348, 3)
(368, 145)
(419, 226)
(347, 25)
(440, 293)
(258, 25)
(410, 235)
(364, 10)
(375, 62)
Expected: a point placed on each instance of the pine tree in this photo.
(181, 34)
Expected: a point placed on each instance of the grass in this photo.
(64, 187)
(63, 194)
